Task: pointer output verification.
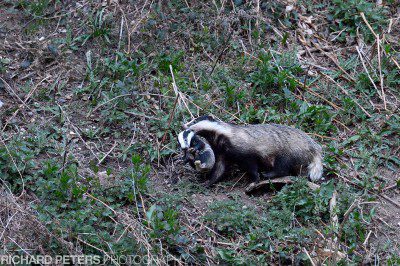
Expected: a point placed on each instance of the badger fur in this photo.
(271, 149)
(197, 151)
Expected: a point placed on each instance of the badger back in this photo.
(285, 140)
(211, 130)
(264, 139)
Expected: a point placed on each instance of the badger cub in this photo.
(197, 151)
(269, 150)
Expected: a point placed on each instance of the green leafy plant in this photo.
(35, 8)
(346, 17)
(99, 27)
(274, 78)
(233, 219)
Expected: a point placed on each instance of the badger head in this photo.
(185, 139)
(199, 119)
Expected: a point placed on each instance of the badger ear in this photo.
(207, 117)
(213, 117)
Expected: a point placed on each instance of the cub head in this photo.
(185, 138)
(185, 141)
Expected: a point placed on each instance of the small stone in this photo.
(25, 64)
(289, 8)
(1, 103)
(5, 61)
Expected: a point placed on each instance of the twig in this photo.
(77, 132)
(98, 249)
(224, 48)
(373, 192)
(345, 218)
(368, 25)
(395, 62)
(13, 92)
(108, 153)
(334, 222)
(389, 187)
(316, 94)
(385, 223)
(64, 161)
(177, 92)
(322, 137)
(390, 200)
(26, 252)
(142, 115)
(6, 225)
(366, 70)
(334, 60)
(378, 41)
(310, 50)
(140, 20)
(237, 181)
(120, 33)
(27, 97)
(309, 257)
(170, 119)
(380, 71)
(347, 93)
(366, 239)
(102, 202)
(108, 101)
(217, 242)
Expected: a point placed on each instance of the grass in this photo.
(89, 162)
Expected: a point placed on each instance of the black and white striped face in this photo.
(185, 138)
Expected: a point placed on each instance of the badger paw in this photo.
(250, 187)
(197, 164)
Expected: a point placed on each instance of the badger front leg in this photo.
(252, 170)
(217, 171)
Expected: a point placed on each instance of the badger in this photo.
(197, 151)
(271, 150)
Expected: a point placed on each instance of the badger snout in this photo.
(185, 156)
(188, 155)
